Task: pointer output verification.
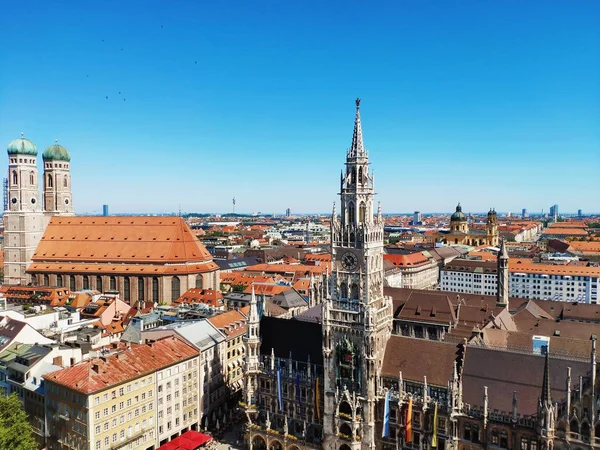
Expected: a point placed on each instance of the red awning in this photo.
(190, 440)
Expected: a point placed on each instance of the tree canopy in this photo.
(15, 430)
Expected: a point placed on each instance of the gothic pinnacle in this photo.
(357, 148)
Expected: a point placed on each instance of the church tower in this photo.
(57, 181)
(502, 291)
(357, 318)
(458, 221)
(252, 344)
(491, 228)
(23, 220)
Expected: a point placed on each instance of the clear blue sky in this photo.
(490, 103)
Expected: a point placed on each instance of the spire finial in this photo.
(357, 149)
(55, 140)
(546, 397)
(22, 134)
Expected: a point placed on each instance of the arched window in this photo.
(72, 282)
(154, 289)
(86, 282)
(99, 283)
(198, 281)
(345, 409)
(345, 429)
(353, 177)
(126, 289)
(354, 292)
(112, 283)
(351, 211)
(15, 177)
(46, 280)
(66, 181)
(31, 178)
(59, 281)
(343, 291)
(175, 288)
(140, 281)
(49, 180)
(361, 212)
(360, 175)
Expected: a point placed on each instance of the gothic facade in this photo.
(366, 376)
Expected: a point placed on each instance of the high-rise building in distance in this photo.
(105, 210)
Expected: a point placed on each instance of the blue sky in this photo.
(490, 103)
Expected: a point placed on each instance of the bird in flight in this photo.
(107, 97)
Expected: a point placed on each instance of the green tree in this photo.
(15, 430)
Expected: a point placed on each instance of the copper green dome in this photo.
(56, 153)
(458, 215)
(22, 146)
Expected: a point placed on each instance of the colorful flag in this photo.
(434, 437)
(409, 421)
(386, 416)
(317, 399)
(279, 389)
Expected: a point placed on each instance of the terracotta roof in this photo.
(120, 239)
(123, 269)
(232, 323)
(412, 259)
(419, 357)
(209, 297)
(522, 265)
(51, 296)
(98, 374)
(584, 247)
(267, 289)
(564, 232)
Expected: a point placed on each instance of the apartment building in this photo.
(539, 281)
(114, 401)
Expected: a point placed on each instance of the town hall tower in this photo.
(357, 317)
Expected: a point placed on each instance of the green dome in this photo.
(22, 146)
(458, 215)
(56, 153)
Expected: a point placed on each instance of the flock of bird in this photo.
(124, 99)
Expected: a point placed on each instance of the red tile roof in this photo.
(98, 374)
(121, 240)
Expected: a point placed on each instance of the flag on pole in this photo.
(317, 399)
(386, 416)
(279, 389)
(434, 437)
(409, 421)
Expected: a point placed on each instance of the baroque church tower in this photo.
(357, 317)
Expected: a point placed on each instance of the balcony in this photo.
(121, 443)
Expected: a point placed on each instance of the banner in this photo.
(409, 421)
(386, 416)
(317, 399)
(434, 437)
(279, 389)
(298, 397)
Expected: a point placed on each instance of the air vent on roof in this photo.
(556, 332)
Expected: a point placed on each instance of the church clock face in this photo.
(349, 261)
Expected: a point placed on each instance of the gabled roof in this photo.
(98, 374)
(419, 357)
(120, 239)
(504, 372)
(289, 299)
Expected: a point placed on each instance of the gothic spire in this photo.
(503, 252)
(357, 149)
(546, 397)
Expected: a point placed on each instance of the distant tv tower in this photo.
(233, 205)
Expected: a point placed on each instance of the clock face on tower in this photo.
(349, 261)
